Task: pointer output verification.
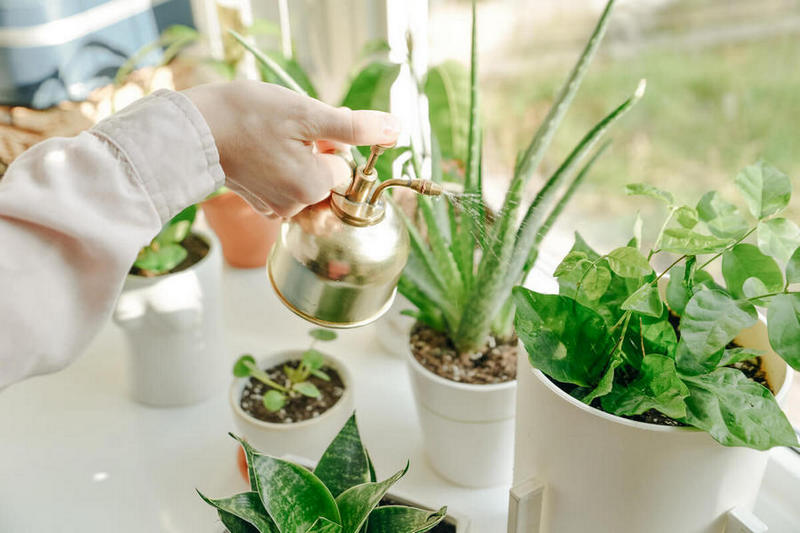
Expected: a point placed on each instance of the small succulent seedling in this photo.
(341, 495)
(310, 365)
(609, 332)
(165, 251)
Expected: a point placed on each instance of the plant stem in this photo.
(760, 296)
(701, 267)
(262, 376)
(655, 249)
(678, 260)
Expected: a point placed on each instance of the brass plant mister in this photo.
(337, 263)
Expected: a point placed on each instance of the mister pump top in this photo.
(337, 263)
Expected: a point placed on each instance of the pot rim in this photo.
(202, 234)
(538, 374)
(469, 387)
(234, 392)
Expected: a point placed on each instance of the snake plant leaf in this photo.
(395, 518)
(564, 339)
(246, 506)
(447, 87)
(294, 497)
(779, 238)
(745, 261)
(356, 503)
(721, 217)
(783, 327)
(323, 525)
(657, 387)
(249, 453)
(234, 524)
(736, 410)
(766, 189)
(344, 464)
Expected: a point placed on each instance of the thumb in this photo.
(358, 128)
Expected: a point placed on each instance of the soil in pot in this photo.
(298, 408)
(442, 527)
(494, 363)
(196, 249)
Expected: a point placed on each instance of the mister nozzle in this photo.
(424, 187)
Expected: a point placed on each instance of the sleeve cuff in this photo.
(170, 148)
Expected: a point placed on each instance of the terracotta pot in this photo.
(246, 236)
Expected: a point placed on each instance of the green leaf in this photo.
(306, 388)
(734, 355)
(684, 241)
(595, 282)
(628, 262)
(778, 238)
(658, 335)
(323, 334)
(643, 189)
(747, 261)
(241, 367)
(273, 66)
(686, 216)
(246, 506)
(753, 288)
(721, 217)
(234, 524)
(766, 189)
(273, 400)
(710, 321)
(572, 262)
(320, 374)
(397, 518)
(173, 233)
(447, 87)
(345, 463)
(294, 497)
(249, 453)
(645, 301)
(162, 260)
(793, 267)
(657, 387)
(564, 339)
(313, 359)
(736, 411)
(606, 382)
(371, 86)
(678, 292)
(356, 503)
(783, 327)
(323, 525)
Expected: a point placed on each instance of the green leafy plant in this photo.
(341, 495)
(609, 333)
(165, 251)
(467, 295)
(311, 364)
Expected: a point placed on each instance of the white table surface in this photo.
(77, 455)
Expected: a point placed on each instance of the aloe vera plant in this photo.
(341, 495)
(165, 251)
(469, 298)
(622, 345)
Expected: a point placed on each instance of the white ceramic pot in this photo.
(468, 430)
(580, 469)
(308, 438)
(173, 326)
(392, 328)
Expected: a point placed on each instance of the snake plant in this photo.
(468, 295)
(341, 495)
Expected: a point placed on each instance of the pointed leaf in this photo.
(606, 380)
(657, 387)
(323, 525)
(234, 524)
(793, 267)
(249, 453)
(779, 238)
(645, 301)
(765, 189)
(345, 462)
(356, 503)
(721, 217)
(747, 261)
(688, 242)
(447, 88)
(595, 282)
(397, 518)
(628, 262)
(246, 506)
(306, 388)
(270, 64)
(783, 327)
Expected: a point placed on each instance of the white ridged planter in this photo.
(308, 438)
(579, 469)
(468, 430)
(173, 328)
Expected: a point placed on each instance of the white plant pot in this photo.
(580, 469)
(174, 331)
(468, 430)
(308, 438)
(392, 328)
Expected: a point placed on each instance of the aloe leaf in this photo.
(246, 506)
(440, 208)
(294, 497)
(446, 263)
(447, 88)
(269, 63)
(356, 503)
(394, 518)
(427, 311)
(344, 463)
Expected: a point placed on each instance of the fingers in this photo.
(336, 169)
(358, 128)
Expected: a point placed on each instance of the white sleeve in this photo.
(75, 212)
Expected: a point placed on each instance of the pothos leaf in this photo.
(783, 327)
(747, 261)
(735, 355)
(645, 301)
(628, 262)
(643, 189)
(778, 237)
(595, 282)
(722, 218)
(657, 387)
(688, 242)
(766, 189)
(793, 267)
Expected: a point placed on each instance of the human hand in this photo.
(265, 136)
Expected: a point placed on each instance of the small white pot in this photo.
(174, 331)
(468, 430)
(308, 438)
(580, 469)
(392, 328)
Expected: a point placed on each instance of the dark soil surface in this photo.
(197, 249)
(495, 363)
(298, 408)
(442, 527)
(753, 369)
